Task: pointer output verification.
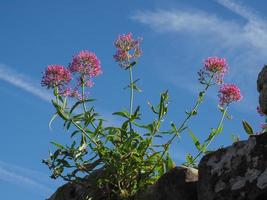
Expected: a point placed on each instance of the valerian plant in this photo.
(127, 156)
(263, 126)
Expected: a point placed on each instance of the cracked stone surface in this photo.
(262, 89)
(180, 183)
(238, 172)
(73, 191)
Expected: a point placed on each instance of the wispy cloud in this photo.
(240, 10)
(242, 42)
(24, 178)
(250, 34)
(23, 82)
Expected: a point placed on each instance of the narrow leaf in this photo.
(195, 140)
(247, 127)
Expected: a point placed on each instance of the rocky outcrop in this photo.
(238, 172)
(75, 191)
(179, 183)
(262, 89)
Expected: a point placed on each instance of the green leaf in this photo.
(58, 145)
(74, 133)
(195, 140)
(135, 87)
(235, 138)
(247, 127)
(80, 102)
(131, 65)
(194, 112)
(65, 163)
(200, 96)
(189, 158)
(75, 106)
(52, 119)
(60, 111)
(124, 114)
(214, 132)
(169, 162)
(219, 130)
(221, 108)
(163, 104)
(152, 108)
(211, 135)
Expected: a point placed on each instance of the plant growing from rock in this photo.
(126, 157)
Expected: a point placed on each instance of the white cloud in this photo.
(242, 42)
(240, 10)
(24, 178)
(23, 82)
(251, 34)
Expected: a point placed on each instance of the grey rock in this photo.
(238, 172)
(262, 89)
(75, 191)
(178, 184)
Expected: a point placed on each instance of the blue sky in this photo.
(178, 35)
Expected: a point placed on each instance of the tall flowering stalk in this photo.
(212, 73)
(228, 93)
(128, 50)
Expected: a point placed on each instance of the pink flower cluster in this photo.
(55, 75)
(229, 93)
(85, 64)
(127, 49)
(214, 66)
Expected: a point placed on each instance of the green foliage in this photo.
(131, 161)
(128, 155)
(247, 127)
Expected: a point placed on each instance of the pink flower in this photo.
(65, 92)
(128, 49)
(214, 66)
(86, 63)
(121, 56)
(75, 93)
(89, 83)
(229, 93)
(55, 75)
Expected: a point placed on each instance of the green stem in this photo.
(83, 99)
(83, 95)
(84, 132)
(84, 106)
(209, 141)
(199, 101)
(132, 91)
(181, 128)
(132, 94)
(56, 94)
